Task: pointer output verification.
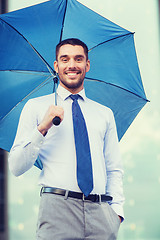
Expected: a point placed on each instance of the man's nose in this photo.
(71, 63)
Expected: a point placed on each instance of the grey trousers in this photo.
(74, 219)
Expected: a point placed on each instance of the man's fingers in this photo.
(57, 111)
(51, 113)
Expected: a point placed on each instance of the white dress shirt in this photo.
(57, 149)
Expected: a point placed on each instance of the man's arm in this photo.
(27, 143)
(114, 170)
(30, 136)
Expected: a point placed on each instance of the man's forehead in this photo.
(68, 49)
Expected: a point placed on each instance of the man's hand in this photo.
(120, 219)
(52, 112)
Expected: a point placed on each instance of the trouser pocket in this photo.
(112, 220)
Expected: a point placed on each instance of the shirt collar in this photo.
(64, 93)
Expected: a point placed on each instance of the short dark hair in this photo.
(73, 42)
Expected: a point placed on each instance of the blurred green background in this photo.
(140, 147)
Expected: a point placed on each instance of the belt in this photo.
(78, 195)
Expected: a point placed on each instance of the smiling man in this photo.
(71, 66)
(82, 193)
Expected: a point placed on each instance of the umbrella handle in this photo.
(56, 120)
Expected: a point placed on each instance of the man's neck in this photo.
(72, 90)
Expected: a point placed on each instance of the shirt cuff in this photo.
(37, 139)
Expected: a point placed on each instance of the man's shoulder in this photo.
(98, 105)
(42, 99)
(39, 104)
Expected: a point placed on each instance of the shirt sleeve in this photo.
(114, 169)
(27, 143)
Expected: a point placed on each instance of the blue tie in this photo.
(84, 162)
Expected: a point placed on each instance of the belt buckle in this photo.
(85, 198)
(93, 198)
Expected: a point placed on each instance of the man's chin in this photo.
(72, 84)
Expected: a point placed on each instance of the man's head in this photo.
(72, 64)
(73, 42)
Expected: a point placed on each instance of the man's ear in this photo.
(56, 66)
(88, 65)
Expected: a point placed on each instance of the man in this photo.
(66, 210)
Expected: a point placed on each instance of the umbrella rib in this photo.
(39, 55)
(26, 72)
(63, 21)
(34, 90)
(97, 80)
(110, 40)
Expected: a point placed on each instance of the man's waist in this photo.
(77, 195)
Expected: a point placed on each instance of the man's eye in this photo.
(64, 59)
(79, 59)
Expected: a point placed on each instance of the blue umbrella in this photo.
(27, 50)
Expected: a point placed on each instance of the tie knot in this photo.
(74, 97)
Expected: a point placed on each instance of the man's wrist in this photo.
(42, 131)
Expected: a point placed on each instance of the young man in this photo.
(66, 211)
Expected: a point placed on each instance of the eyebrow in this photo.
(76, 56)
(62, 56)
(81, 56)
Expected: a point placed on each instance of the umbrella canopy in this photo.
(28, 38)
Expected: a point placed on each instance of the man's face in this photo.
(71, 66)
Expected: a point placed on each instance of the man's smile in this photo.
(72, 73)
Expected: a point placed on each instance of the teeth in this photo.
(71, 74)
